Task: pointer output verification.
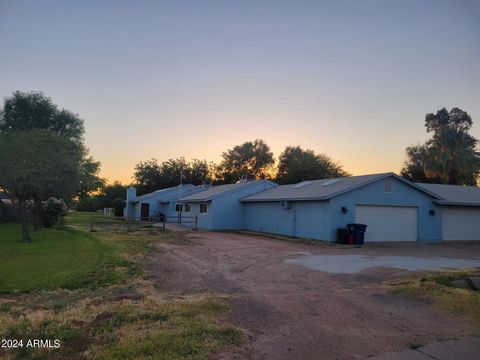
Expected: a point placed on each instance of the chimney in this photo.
(129, 210)
(131, 193)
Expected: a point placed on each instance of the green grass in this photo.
(436, 288)
(55, 258)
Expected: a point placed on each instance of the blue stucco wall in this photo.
(320, 220)
(303, 219)
(429, 227)
(156, 205)
(226, 212)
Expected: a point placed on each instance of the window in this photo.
(187, 208)
(203, 208)
(178, 207)
(388, 186)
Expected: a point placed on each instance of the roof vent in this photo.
(331, 182)
(302, 184)
(247, 178)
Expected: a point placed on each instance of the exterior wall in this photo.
(320, 220)
(308, 220)
(226, 212)
(429, 227)
(157, 204)
(204, 219)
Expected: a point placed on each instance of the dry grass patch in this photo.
(115, 312)
(437, 289)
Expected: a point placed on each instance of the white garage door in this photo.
(388, 223)
(461, 224)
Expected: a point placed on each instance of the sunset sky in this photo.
(162, 79)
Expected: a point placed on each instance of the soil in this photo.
(292, 312)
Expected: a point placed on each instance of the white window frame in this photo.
(187, 208)
(206, 208)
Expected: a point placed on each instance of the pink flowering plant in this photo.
(51, 211)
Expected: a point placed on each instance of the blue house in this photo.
(460, 210)
(219, 207)
(393, 208)
(160, 202)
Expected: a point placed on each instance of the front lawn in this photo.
(54, 259)
(92, 292)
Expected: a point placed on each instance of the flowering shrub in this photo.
(51, 210)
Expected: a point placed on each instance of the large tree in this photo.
(27, 111)
(38, 164)
(90, 180)
(34, 110)
(296, 164)
(450, 156)
(250, 158)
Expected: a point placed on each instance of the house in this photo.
(460, 210)
(160, 202)
(219, 207)
(394, 209)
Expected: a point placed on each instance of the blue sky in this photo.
(353, 79)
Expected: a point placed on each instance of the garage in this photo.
(460, 210)
(388, 223)
(461, 223)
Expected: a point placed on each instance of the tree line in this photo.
(42, 155)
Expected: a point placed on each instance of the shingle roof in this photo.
(321, 189)
(168, 193)
(220, 190)
(454, 194)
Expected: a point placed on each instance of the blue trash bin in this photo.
(358, 231)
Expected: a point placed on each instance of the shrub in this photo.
(118, 205)
(51, 210)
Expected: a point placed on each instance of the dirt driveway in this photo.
(293, 312)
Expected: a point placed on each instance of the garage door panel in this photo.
(388, 223)
(461, 224)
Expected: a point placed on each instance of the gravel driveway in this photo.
(296, 312)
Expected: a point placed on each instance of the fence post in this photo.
(196, 222)
(129, 229)
(179, 217)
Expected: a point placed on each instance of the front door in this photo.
(145, 212)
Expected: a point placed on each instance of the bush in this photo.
(88, 203)
(51, 210)
(118, 205)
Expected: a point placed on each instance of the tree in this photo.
(38, 164)
(296, 165)
(25, 111)
(150, 176)
(33, 110)
(90, 181)
(198, 172)
(111, 192)
(414, 168)
(254, 158)
(450, 156)
(147, 176)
